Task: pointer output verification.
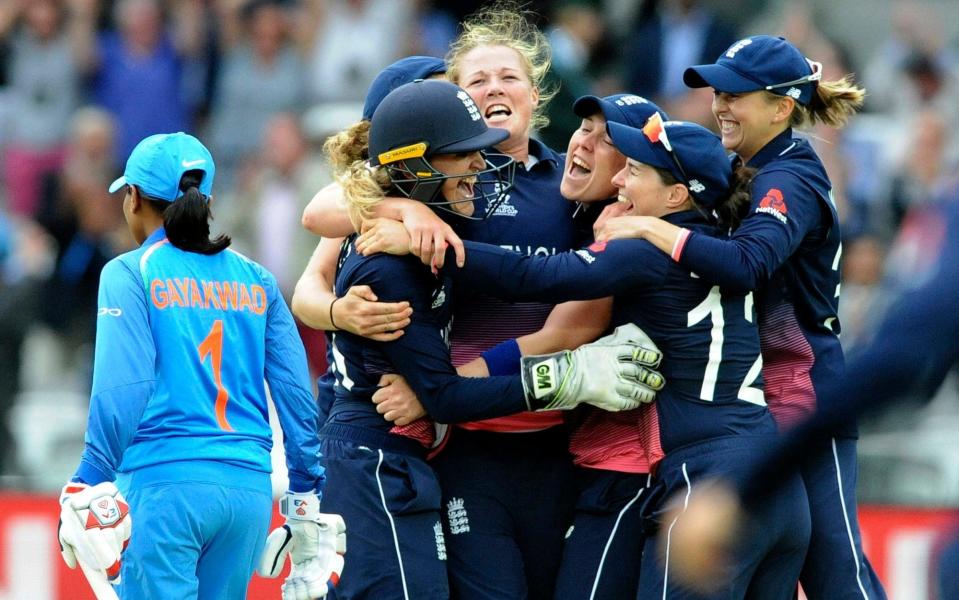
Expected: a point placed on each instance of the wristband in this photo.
(300, 506)
(679, 244)
(332, 323)
(503, 358)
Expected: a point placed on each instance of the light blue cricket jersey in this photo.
(184, 343)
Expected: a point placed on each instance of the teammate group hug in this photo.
(535, 357)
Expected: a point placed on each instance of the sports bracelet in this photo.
(335, 328)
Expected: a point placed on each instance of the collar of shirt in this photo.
(771, 150)
(686, 217)
(154, 237)
(540, 154)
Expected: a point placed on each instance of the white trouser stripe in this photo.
(845, 517)
(612, 534)
(396, 539)
(669, 532)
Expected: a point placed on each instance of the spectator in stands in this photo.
(577, 29)
(926, 171)
(674, 35)
(44, 83)
(261, 74)
(24, 252)
(861, 272)
(352, 41)
(88, 230)
(147, 53)
(263, 218)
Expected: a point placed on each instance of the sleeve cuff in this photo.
(91, 475)
(680, 244)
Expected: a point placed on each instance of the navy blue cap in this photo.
(627, 109)
(761, 62)
(429, 117)
(158, 162)
(405, 70)
(699, 151)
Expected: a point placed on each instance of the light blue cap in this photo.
(158, 162)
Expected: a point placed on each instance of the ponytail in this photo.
(363, 188)
(187, 219)
(833, 103)
(732, 210)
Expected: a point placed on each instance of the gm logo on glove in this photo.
(545, 378)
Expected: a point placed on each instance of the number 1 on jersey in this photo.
(212, 346)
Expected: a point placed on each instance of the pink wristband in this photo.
(679, 244)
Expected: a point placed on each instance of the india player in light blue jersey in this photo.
(187, 333)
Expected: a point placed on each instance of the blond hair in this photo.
(506, 23)
(833, 103)
(348, 146)
(363, 186)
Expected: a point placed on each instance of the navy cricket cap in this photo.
(698, 150)
(627, 109)
(429, 117)
(158, 162)
(405, 70)
(761, 62)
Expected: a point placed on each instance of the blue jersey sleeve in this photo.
(287, 374)
(782, 213)
(600, 270)
(421, 355)
(123, 372)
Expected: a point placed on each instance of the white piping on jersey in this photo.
(339, 363)
(612, 534)
(788, 148)
(396, 539)
(146, 255)
(669, 532)
(845, 518)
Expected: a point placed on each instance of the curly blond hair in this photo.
(363, 186)
(507, 23)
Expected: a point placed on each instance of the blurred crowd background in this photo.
(263, 82)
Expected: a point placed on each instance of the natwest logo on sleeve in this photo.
(773, 203)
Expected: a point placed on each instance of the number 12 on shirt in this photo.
(712, 307)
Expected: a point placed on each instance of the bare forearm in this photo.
(569, 326)
(326, 215)
(313, 295)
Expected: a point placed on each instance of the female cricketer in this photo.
(788, 250)
(187, 332)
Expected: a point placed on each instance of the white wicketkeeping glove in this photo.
(95, 526)
(616, 372)
(316, 543)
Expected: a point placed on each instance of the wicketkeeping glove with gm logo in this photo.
(616, 372)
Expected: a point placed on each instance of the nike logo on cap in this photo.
(192, 163)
